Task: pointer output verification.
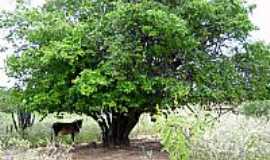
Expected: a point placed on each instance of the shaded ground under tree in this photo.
(138, 150)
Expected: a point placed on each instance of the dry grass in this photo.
(235, 137)
(41, 153)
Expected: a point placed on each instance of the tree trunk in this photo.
(116, 127)
(23, 120)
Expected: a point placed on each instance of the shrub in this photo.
(179, 130)
(257, 109)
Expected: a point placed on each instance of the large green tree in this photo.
(114, 60)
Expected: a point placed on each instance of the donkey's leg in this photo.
(54, 138)
(73, 137)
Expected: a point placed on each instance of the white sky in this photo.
(260, 17)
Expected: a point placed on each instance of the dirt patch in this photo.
(118, 154)
(139, 150)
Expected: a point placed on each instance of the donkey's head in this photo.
(78, 123)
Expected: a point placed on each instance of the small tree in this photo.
(114, 60)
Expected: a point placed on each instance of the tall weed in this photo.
(179, 130)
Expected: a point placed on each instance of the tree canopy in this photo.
(122, 58)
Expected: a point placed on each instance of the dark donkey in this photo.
(66, 128)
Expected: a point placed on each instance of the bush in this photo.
(198, 136)
(179, 130)
(257, 109)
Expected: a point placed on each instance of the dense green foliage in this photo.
(123, 58)
(255, 66)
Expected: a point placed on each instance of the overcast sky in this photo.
(260, 17)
